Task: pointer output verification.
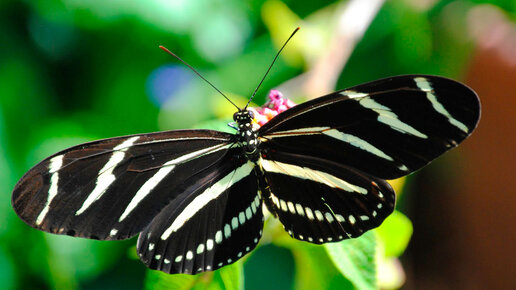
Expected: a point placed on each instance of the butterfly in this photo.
(196, 197)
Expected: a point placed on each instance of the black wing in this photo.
(324, 160)
(111, 189)
(213, 223)
(387, 128)
(321, 201)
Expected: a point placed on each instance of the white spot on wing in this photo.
(189, 255)
(328, 217)
(291, 207)
(283, 205)
(241, 217)
(299, 209)
(218, 237)
(403, 167)
(113, 232)
(319, 215)
(227, 231)
(200, 249)
(257, 201)
(309, 213)
(234, 223)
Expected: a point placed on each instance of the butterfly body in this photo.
(246, 134)
(195, 197)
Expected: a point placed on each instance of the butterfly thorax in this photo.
(246, 135)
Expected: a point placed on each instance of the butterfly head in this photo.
(243, 117)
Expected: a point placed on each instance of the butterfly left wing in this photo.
(323, 201)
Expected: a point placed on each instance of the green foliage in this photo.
(355, 260)
(230, 277)
(395, 233)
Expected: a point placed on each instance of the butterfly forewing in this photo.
(111, 189)
(210, 224)
(387, 128)
(322, 201)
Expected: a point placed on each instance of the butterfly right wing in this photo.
(324, 161)
(111, 189)
(387, 128)
(213, 223)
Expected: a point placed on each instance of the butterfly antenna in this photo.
(197, 73)
(266, 73)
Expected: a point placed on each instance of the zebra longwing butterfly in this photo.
(195, 197)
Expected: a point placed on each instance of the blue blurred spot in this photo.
(165, 81)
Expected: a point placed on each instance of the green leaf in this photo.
(395, 233)
(160, 280)
(355, 259)
(232, 276)
(229, 277)
(314, 269)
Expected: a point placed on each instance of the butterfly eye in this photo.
(235, 116)
(251, 114)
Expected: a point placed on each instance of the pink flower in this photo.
(275, 105)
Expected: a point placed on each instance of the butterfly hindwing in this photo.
(387, 128)
(322, 201)
(112, 188)
(211, 224)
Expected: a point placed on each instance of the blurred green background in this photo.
(76, 70)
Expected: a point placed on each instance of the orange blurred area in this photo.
(467, 239)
